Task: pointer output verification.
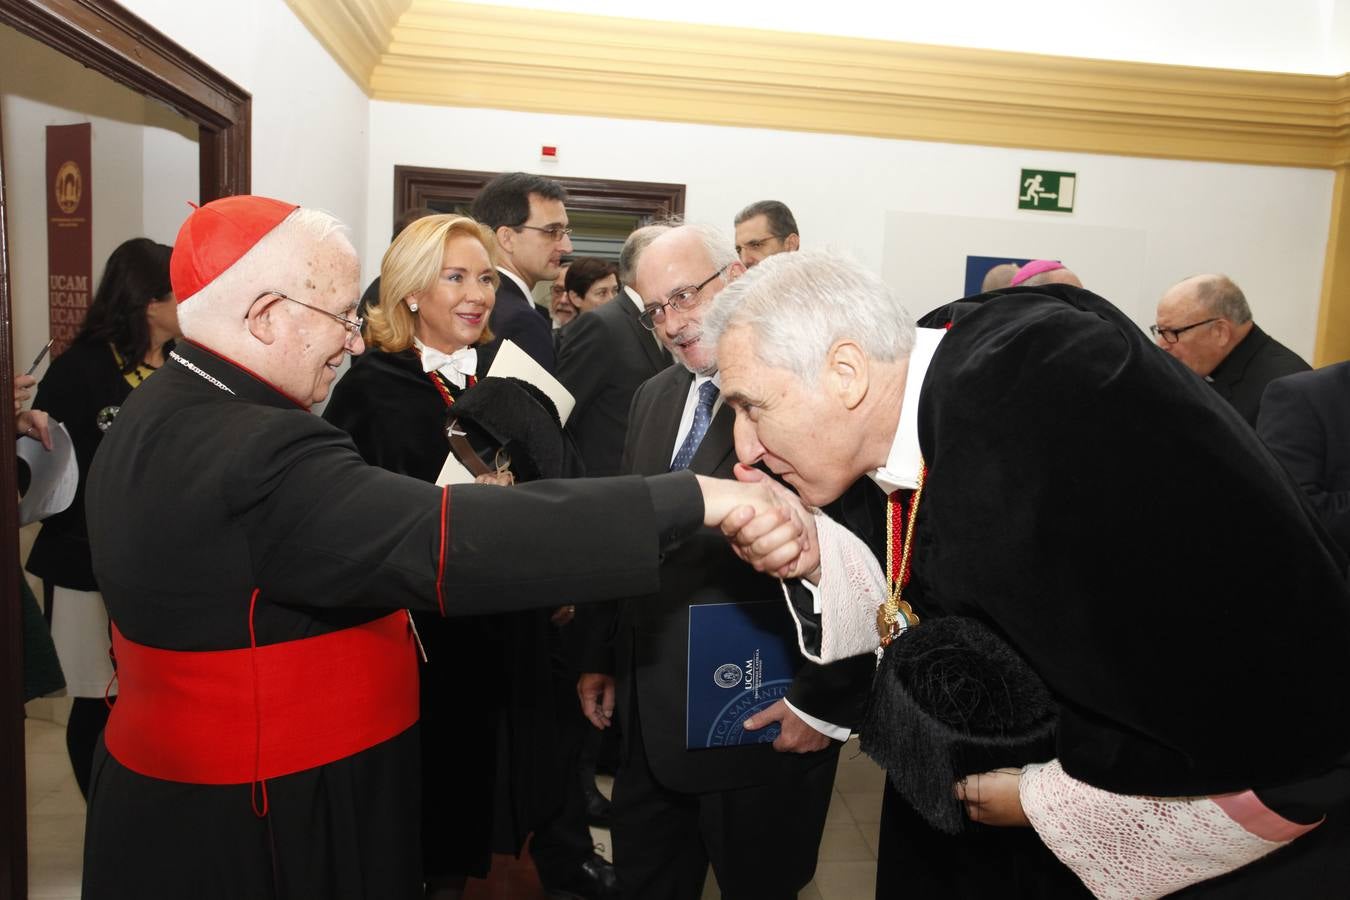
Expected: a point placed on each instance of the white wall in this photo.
(144, 161)
(309, 117)
(1264, 226)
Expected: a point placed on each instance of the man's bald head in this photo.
(1201, 319)
(998, 277)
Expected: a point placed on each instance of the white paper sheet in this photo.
(54, 475)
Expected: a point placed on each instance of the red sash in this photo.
(242, 716)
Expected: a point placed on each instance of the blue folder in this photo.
(742, 658)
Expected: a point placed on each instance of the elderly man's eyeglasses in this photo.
(353, 326)
(555, 232)
(1170, 335)
(681, 300)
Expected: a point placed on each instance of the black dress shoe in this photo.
(594, 879)
(597, 807)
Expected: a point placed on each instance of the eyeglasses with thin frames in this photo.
(1172, 335)
(353, 326)
(681, 300)
(556, 232)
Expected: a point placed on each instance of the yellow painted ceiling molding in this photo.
(461, 54)
(354, 31)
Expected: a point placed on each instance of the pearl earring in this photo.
(412, 306)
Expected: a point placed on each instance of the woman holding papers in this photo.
(484, 685)
(128, 330)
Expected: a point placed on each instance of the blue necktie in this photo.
(707, 396)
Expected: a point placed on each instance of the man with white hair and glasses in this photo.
(1041, 476)
(754, 810)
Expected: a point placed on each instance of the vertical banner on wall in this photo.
(70, 231)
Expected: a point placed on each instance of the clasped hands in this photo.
(766, 524)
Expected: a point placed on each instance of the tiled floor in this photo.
(55, 815)
(846, 870)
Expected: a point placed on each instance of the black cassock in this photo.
(212, 484)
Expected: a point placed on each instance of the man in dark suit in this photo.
(1205, 322)
(755, 812)
(1305, 422)
(527, 216)
(602, 358)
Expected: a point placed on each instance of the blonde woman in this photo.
(487, 720)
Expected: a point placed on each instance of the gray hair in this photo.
(633, 247)
(721, 249)
(799, 304)
(1221, 296)
(283, 249)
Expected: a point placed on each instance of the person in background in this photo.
(998, 277)
(1304, 421)
(428, 344)
(527, 217)
(603, 358)
(1206, 323)
(591, 283)
(127, 331)
(561, 309)
(763, 229)
(41, 667)
(755, 812)
(1043, 271)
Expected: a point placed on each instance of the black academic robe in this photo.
(486, 752)
(1125, 531)
(214, 484)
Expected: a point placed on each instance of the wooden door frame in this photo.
(421, 186)
(109, 39)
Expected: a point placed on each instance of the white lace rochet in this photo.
(1135, 847)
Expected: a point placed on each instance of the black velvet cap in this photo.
(521, 420)
(951, 699)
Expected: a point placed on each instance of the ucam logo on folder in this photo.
(742, 658)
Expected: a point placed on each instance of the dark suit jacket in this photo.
(514, 319)
(1255, 362)
(1305, 421)
(602, 358)
(648, 651)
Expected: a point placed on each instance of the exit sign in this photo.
(1048, 191)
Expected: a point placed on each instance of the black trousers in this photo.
(762, 840)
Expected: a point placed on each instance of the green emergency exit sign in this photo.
(1047, 191)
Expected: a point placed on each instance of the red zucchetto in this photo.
(216, 235)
